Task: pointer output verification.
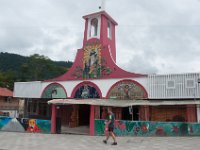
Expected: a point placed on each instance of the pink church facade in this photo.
(95, 75)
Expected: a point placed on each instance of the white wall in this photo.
(155, 85)
(35, 89)
(28, 89)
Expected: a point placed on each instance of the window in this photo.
(190, 83)
(6, 114)
(109, 31)
(8, 99)
(170, 84)
(32, 107)
(94, 27)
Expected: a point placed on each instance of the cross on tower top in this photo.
(103, 5)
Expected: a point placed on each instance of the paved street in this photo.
(31, 141)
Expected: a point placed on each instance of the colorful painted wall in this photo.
(147, 128)
(24, 125)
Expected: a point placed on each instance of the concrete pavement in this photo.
(31, 141)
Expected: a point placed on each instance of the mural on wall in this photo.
(32, 126)
(24, 125)
(92, 61)
(93, 64)
(54, 91)
(147, 128)
(126, 90)
(86, 91)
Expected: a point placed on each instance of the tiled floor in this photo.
(31, 141)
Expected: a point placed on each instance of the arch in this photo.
(127, 89)
(82, 85)
(54, 90)
(94, 27)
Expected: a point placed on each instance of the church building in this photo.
(81, 95)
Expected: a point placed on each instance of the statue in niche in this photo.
(86, 92)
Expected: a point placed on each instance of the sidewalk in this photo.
(31, 141)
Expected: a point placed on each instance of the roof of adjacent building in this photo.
(5, 92)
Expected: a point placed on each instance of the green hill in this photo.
(36, 67)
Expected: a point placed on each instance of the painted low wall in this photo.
(24, 125)
(147, 128)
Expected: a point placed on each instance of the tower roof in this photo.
(101, 13)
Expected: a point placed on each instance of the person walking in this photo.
(110, 124)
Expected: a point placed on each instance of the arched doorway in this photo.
(128, 90)
(55, 91)
(85, 91)
(79, 121)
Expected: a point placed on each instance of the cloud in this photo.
(152, 36)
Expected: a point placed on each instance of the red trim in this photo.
(53, 119)
(128, 80)
(87, 83)
(92, 111)
(50, 85)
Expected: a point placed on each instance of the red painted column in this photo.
(92, 108)
(53, 119)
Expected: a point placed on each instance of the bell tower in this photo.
(96, 59)
(101, 26)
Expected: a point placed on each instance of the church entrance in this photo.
(74, 119)
(130, 113)
(79, 122)
(84, 115)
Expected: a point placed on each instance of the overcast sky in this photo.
(153, 36)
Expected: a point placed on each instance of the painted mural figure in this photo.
(32, 126)
(86, 70)
(91, 65)
(86, 92)
(127, 92)
(93, 61)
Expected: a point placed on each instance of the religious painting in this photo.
(86, 91)
(54, 91)
(92, 61)
(126, 90)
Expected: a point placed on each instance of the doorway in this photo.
(130, 113)
(75, 119)
(84, 115)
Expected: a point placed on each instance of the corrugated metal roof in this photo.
(5, 92)
(120, 103)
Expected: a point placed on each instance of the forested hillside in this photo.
(36, 67)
